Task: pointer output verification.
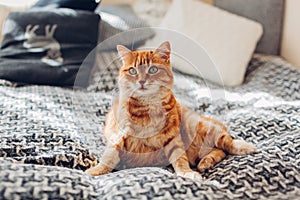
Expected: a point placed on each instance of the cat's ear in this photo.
(125, 54)
(164, 51)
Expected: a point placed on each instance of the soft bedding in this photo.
(49, 135)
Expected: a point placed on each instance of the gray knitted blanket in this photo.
(50, 135)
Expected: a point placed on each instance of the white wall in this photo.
(290, 49)
(113, 2)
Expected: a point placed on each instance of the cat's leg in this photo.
(108, 162)
(234, 146)
(216, 132)
(211, 159)
(178, 158)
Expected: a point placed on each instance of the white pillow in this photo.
(228, 39)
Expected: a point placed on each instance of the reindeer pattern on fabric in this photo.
(46, 42)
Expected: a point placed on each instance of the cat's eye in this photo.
(132, 71)
(153, 70)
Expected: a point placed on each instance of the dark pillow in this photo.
(73, 4)
(48, 47)
(268, 12)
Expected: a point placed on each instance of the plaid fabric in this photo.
(49, 135)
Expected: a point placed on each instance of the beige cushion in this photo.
(228, 39)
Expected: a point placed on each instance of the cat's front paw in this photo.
(98, 170)
(240, 147)
(92, 172)
(205, 163)
(195, 176)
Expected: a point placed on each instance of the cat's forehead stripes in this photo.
(142, 58)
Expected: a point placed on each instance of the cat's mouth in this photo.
(143, 89)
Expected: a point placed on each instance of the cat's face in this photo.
(145, 73)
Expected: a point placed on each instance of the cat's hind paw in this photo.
(240, 147)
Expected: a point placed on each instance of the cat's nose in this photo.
(142, 82)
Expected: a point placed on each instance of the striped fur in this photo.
(148, 127)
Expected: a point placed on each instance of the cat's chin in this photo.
(145, 91)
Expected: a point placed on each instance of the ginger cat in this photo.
(148, 127)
